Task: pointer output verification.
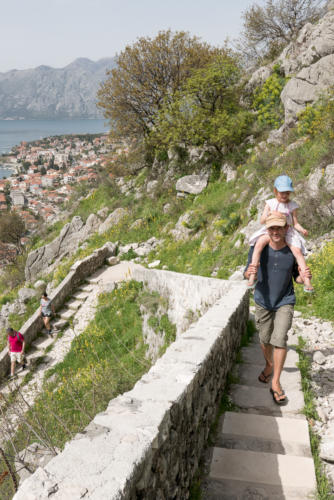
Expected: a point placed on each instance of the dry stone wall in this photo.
(148, 441)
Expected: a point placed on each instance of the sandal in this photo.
(279, 394)
(264, 378)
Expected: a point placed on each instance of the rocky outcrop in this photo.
(307, 86)
(46, 257)
(308, 62)
(113, 219)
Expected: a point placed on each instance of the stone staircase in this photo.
(262, 451)
(37, 353)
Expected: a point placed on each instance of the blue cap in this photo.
(283, 183)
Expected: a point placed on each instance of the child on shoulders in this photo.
(294, 239)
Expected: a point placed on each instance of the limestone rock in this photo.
(313, 182)
(229, 172)
(70, 237)
(103, 212)
(329, 177)
(137, 223)
(32, 457)
(181, 231)
(113, 219)
(151, 186)
(25, 294)
(92, 224)
(319, 358)
(40, 284)
(192, 184)
(154, 264)
(307, 86)
(167, 208)
(259, 77)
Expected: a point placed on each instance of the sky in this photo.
(55, 32)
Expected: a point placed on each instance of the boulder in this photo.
(192, 184)
(113, 219)
(25, 294)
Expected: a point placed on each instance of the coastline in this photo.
(13, 132)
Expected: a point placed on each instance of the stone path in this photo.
(72, 319)
(262, 451)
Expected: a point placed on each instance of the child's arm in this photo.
(296, 224)
(265, 213)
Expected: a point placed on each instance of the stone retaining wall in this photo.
(148, 441)
(189, 296)
(78, 272)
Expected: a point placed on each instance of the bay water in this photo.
(12, 132)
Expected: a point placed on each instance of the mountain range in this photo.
(46, 92)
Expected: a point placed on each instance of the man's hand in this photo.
(303, 274)
(251, 269)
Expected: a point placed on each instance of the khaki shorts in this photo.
(273, 326)
(16, 356)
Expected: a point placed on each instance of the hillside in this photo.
(46, 92)
(189, 211)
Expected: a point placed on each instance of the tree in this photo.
(148, 74)
(268, 28)
(12, 228)
(207, 111)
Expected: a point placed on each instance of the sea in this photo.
(12, 132)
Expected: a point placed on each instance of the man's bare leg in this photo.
(12, 368)
(279, 356)
(267, 350)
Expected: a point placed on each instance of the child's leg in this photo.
(259, 246)
(302, 264)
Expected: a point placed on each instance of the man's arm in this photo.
(249, 267)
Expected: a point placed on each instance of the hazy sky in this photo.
(55, 32)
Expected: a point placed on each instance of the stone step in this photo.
(86, 288)
(253, 354)
(82, 295)
(59, 324)
(247, 374)
(42, 342)
(259, 400)
(244, 431)
(275, 476)
(74, 304)
(93, 280)
(66, 313)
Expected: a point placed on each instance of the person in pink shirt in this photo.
(16, 346)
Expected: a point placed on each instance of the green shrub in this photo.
(267, 102)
